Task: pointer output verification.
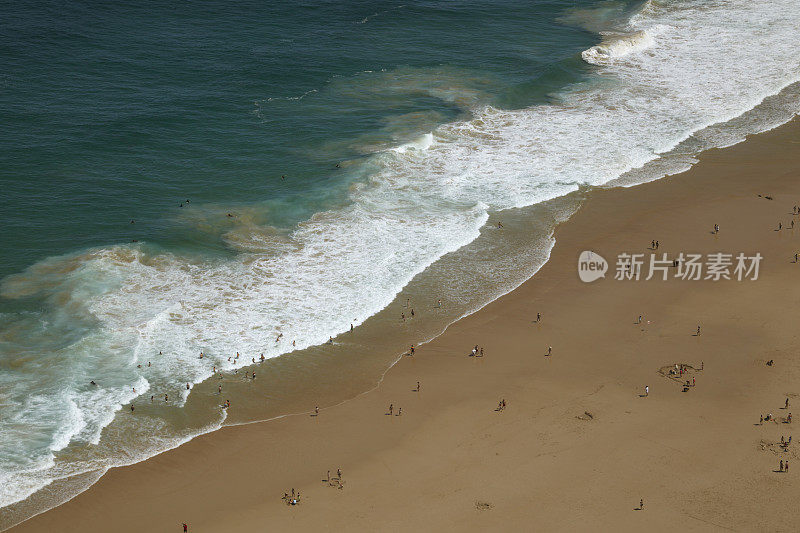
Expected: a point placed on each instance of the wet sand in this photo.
(578, 445)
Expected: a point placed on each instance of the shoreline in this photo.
(438, 360)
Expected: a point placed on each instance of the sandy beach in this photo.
(578, 444)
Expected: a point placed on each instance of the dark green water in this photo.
(121, 112)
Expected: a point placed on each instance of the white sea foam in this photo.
(674, 70)
(616, 45)
(422, 142)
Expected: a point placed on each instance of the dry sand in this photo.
(698, 458)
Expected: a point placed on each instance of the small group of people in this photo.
(294, 499)
(335, 481)
(501, 405)
(783, 466)
(399, 409)
(477, 351)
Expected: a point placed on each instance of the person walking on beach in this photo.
(786, 405)
(185, 528)
(481, 352)
(418, 386)
(640, 320)
(538, 317)
(647, 390)
(781, 466)
(412, 349)
(399, 411)
(761, 421)
(641, 504)
(391, 408)
(316, 410)
(698, 330)
(549, 350)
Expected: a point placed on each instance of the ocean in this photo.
(190, 188)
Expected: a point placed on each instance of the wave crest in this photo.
(617, 45)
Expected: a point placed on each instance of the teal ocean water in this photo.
(207, 178)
